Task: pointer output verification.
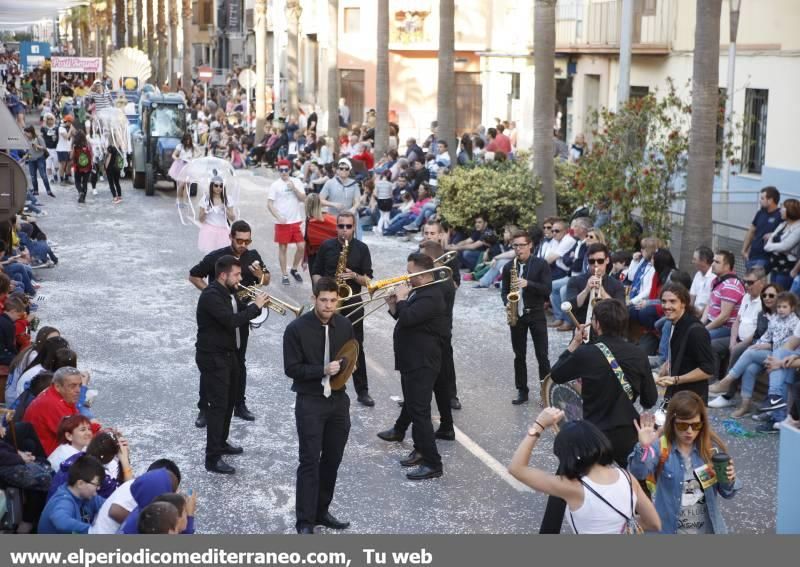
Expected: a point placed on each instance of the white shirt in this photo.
(748, 315)
(701, 288)
(561, 248)
(61, 454)
(216, 215)
(63, 143)
(105, 524)
(285, 201)
(184, 154)
(26, 377)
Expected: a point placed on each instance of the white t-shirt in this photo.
(701, 288)
(26, 377)
(63, 143)
(216, 215)
(105, 524)
(184, 154)
(748, 316)
(61, 454)
(285, 200)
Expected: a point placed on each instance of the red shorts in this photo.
(288, 233)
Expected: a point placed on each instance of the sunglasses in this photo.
(216, 184)
(557, 231)
(769, 295)
(683, 426)
(343, 168)
(243, 241)
(344, 226)
(548, 227)
(520, 244)
(749, 282)
(283, 169)
(598, 261)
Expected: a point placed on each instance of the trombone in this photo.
(387, 287)
(446, 258)
(278, 306)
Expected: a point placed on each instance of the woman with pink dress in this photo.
(216, 213)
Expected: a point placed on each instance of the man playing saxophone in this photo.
(353, 267)
(534, 285)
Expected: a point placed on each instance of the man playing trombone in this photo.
(219, 337)
(534, 282)
(253, 273)
(422, 326)
(356, 273)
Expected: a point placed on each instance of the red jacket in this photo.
(367, 158)
(46, 412)
(76, 152)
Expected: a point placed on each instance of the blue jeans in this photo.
(20, 273)
(647, 315)
(555, 299)
(663, 344)
(488, 278)
(39, 166)
(720, 333)
(748, 367)
(796, 285)
(782, 279)
(424, 214)
(398, 223)
(779, 381)
(469, 258)
(758, 261)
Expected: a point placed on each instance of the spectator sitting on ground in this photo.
(158, 518)
(363, 154)
(620, 261)
(727, 293)
(471, 249)
(74, 435)
(400, 221)
(494, 267)
(641, 271)
(573, 264)
(26, 356)
(186, 506)
(50, 358)
(144, 490)
(75, 504)
(702, 259)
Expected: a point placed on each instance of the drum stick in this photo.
(566, 307)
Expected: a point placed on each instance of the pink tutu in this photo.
(212, 237)
(176, 170)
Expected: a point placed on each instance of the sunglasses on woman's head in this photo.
(683, 426)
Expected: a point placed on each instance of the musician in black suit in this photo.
(579, 288)
(422, 326)
(535, 285)
(322, 415)
(254, 273)
(357, 274)
(218, 338)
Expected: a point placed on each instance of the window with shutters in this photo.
(352, 20)
(754, 146)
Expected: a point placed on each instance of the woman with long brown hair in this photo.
(678, 459)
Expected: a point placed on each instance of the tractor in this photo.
(162, 125)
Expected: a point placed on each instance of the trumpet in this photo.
(594, 295)
(278, 306)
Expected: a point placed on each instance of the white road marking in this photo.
(466, 441)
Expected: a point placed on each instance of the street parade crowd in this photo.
(653, 347)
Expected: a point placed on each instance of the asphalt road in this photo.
(120, 295)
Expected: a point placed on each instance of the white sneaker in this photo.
(721, 402)
(94, 192)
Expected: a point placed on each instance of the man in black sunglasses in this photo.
(579, 288)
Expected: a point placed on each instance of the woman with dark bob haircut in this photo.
(600, 496)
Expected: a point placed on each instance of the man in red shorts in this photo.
(286, 203)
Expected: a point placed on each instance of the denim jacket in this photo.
(670, 486)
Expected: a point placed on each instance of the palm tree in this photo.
(173, 42)
(109, 41)
(149, 36)
(702, 139)
(119, 18)
(186, 75)
(129, 35)
(83, 23)
(293, 12)
(446, 108)
(333, 75)
(163, 39)
(382, 87)
(260, 27)
(544, 45)
(140, 24)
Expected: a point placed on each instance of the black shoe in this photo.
(297, 277)
(412, 460)
(51, 194)
(521, 398)
(424, 472)
(305, 530)
(229, 449)
(446, 434)
(455, 403)
(330, 522)
(366, 400)
(392, 435)
(219, 466)
(201, 420)
(773, 403)
(242, 412)
(82, 198)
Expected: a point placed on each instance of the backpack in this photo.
(82, 161)
(652, 479)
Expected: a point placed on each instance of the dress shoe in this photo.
(424, 472)
(446, 434)
(391, 435)
(242, 412)
(305, 530)
(229, 449)
(365, 400)
(219, 466)
(521, 398)
(201, 420)
(412, 460)
(455, 403)
(565, 328)
(330, 522)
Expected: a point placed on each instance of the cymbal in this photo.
(348, 356)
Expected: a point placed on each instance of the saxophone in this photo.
(343, 290)
(513, 297)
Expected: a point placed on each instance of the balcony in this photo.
(593, 26)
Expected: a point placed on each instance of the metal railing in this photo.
(596, 23)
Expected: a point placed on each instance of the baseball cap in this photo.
(284, 163)
(68, 118)
(345, 162)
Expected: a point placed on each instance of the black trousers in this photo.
(219, 376)
(622, 441)
(239, 396)
(417, 394)
(112, 174)
(323, 426)
(444, 389)
(360, 374)
(82, 182)
(535, 324)
(447, 374)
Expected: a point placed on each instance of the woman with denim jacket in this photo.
(683, 505)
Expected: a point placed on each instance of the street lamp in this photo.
(735, 6)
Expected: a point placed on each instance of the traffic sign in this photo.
(205, 74)
(247, 77)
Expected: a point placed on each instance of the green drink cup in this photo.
(720, 463)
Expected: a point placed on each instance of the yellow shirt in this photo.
(80, 91)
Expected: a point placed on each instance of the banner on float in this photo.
(76, 64)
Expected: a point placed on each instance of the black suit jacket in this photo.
(422, 326)
(540, 283)
(216, 321)
(577, 284)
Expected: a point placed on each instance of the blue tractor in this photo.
(161, 126)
